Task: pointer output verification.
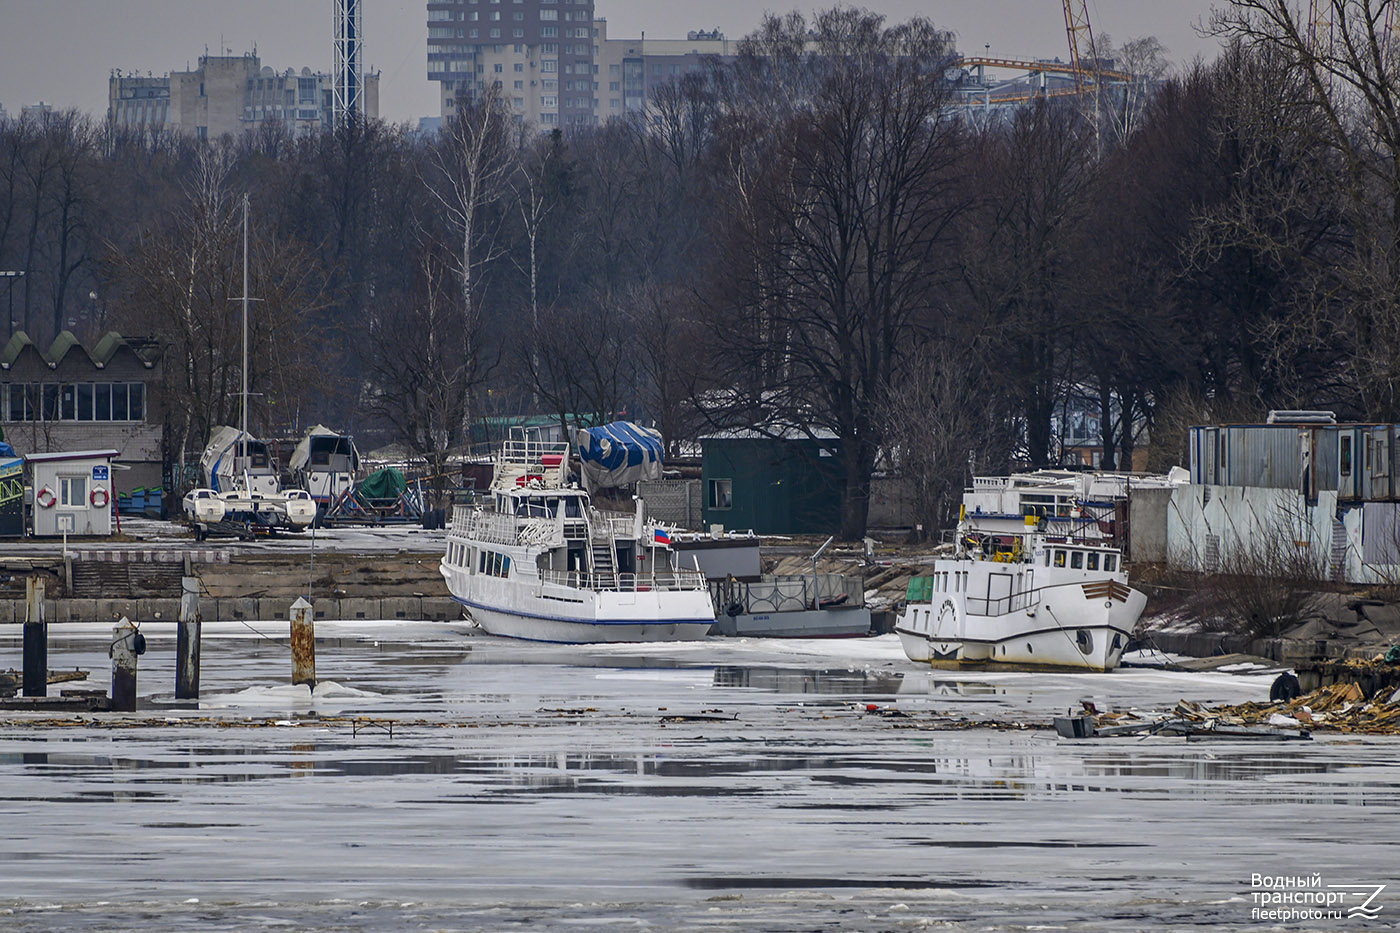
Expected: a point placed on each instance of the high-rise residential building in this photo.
(230, 94)
(551, 61)
(629, 69)
(538, 55)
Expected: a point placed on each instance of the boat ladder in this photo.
(604, 565)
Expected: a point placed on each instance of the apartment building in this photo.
(229, 94)
(536, 54)
(629, 69)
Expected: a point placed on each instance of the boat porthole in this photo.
(1029, 649)
(1084, 640)
(1003, 649)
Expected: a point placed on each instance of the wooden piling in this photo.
(303, 644)
(187, 638)
(126, 646)
(36, 640)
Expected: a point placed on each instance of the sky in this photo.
(62, 51)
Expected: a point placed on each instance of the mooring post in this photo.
(127, 644)
(187, 637)
(303, 644)
(36, 640)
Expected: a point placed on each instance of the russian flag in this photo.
(661, 537)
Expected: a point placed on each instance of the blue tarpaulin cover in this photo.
(6, 450)
(618, 454)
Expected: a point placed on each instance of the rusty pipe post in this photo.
(303, 644)
(127, 645)
(36, 640)
(187, 637)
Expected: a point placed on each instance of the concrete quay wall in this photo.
(233, 609)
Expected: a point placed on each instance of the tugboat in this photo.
(1013, 594)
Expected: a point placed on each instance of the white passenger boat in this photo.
(539, 563)
(1012, 594)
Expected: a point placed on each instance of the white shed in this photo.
(72, 486)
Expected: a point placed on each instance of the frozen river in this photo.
(726, 785)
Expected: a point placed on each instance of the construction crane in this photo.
(347, 95)
(1084, 65)
(1081, 41)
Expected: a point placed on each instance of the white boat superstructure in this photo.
(540, 563)
(241, 486)
(325, 464)
(1011, 594)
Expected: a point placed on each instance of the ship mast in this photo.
(244, 425)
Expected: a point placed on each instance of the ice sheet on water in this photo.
(280, 695)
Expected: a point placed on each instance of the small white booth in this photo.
(72, 492)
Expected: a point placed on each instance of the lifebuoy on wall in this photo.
(99, 497)
(45, 498)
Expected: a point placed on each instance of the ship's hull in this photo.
(535, 611)
(509, 624)
(1072, 627)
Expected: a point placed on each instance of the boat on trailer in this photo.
(536, 561)
(1013, 594)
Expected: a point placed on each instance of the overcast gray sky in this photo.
(61, 51)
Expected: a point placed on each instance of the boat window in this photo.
(572, 507)
(1059, 558)
(505, 566)
(1093, 562)
(1076, 560)
(1108, 562)
(480, 561)
(1046, 562)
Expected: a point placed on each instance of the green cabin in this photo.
(772, 485)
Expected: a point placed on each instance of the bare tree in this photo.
(179, 285)
(944, 407)
(831, 231)
(419, 382)
(471, 178)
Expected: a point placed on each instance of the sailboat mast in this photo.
(244, 425)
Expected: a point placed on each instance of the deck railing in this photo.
(787, 593)
(665, 581)
(495, 528)
(608, 528)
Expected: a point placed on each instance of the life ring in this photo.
(45, 498)
(99, 498)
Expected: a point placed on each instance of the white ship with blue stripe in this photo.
(538, 562)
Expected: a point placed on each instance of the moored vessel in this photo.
(1012, 594)
(536, 561)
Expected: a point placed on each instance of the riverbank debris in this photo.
(11, 680)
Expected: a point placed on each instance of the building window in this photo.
(721, 493)
(84, 401)
(72, 492)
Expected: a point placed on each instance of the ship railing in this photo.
(526, 452)
(1004, 605)
(610, 528)
(495, 528)
(787, 593)
(664, 581)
